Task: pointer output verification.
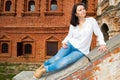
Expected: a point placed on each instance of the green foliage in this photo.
(9, 70)
(6, 76)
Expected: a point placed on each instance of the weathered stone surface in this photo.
(24, 75)
(80, 64)
(111, 44)
(110, 65)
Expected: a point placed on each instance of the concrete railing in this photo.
(81, 64)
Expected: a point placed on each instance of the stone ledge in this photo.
(24, 75)
(112, 44)
(80, 64)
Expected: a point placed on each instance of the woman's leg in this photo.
(61, 53)
(65, 61)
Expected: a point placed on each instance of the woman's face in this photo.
(80, 11)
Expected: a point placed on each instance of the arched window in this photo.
(53, 5)
(8, 6)
(28, 49)
(105, 30)
(31, 6)
(4, 48)
(54, 8)
(86, 3)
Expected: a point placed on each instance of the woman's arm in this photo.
(100, 37)
(102, 48)
(69, 36)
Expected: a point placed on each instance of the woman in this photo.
(76, 44)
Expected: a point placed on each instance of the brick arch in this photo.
(53, 5)
(105, 30)
(57, 12)
(59, 4)
(31, 11)
(31, 5)
(8, 7)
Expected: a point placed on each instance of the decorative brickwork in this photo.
(33, 22)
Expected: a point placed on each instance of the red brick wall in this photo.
(37, 26)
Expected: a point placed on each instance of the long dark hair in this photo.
(74, 19)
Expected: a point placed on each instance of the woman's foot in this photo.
(39, 73)
(42, 66)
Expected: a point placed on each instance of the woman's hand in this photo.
(64, 45)
(102, 48)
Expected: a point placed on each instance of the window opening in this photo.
(31, 6)
(8, 6)
(19, 49)
(52, 48)
(28, 49)
(4, 48)
(53, 6)
(85, 3)
(105, 30)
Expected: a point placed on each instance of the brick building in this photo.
(101, 65)
(32, 30)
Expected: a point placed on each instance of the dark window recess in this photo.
(4, 48)
(53, 5)
(85, 3)
(52, 48)
(8, 6)
(19, 49)
(31, 6)
(28, 49)
(105, 30)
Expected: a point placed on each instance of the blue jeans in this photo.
(63, 58)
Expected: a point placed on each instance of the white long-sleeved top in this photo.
(81, 38)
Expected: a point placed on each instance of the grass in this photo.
(6, 73)
(6, 76)
(9, 70)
